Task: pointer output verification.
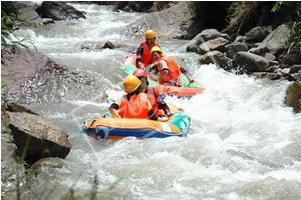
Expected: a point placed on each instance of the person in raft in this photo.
(144, 55)
(135, 104)
(158, 104)
(168, 70)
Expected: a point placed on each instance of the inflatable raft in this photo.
(106, 127)
(188, 89)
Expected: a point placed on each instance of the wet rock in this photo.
(204, 36)
(259, 50)
(272, 68)
(170, 23)
(267, 75)
(284, 72)
(295, 76)
(269, 56)
(235, 47)
(108, 45)
(293, 96)
(295, 69)
(258, 34)
(133, 6)
(142, 6)
(36, 137)
(240, 38)
(183, 20)
(27, 10)
(14, 107)
(24, 66)
(46, 164)
(215, 57)
(59, 11)
(101, 45)
(250, 62)
(277, 41)
(217, 44)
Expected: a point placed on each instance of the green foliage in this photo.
(9, 17)
(239, 14)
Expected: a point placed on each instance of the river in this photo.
(243, 142)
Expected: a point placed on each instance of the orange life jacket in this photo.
(146, 57)
(135, 107)
(174, 71)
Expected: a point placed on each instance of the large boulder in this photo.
(293, 96)
(183, 20)
(258, 34)
(28, 10)
(217, 58)
(235, 47)
(217, 44)
(204, 36)
(170, 23)
(249, 62)
(59, 11)
(19, 68)
(36, 137)
(277, 41)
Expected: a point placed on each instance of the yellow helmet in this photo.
(131, 83)
(156, 48)
(149, 34)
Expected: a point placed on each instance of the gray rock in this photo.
(269, 56)
(170, 23)
(217, 44)
(278, 40)
(36, 137)
(59, 11)
(142, 6)
(293, 96)
(267, 75)
(295, 76)
(250, 62)
(240, 38)
(215, 57)
(272, 68)
(235, 47)
(295, 69)
(259, 50)
(19, 68)
(204, 36)
(258, 33)
(27, 9)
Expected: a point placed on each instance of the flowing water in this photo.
(243, 142)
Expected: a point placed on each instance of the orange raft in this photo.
(106, 127)
(188, 89)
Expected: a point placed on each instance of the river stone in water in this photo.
(293, 96)
(59, 11)
(233, 48)
(215, 57)
(250, 62)
(44, 138)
